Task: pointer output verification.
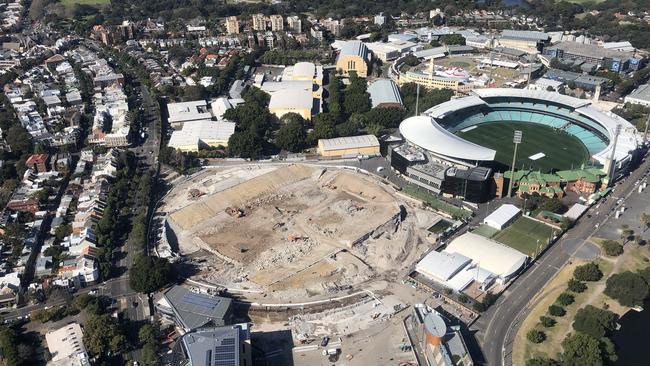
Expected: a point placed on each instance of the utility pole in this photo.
(515, 140)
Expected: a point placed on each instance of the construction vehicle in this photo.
(296, 237)
(234, 212)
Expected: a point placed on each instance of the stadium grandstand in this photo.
(440, 128)
(560, 133)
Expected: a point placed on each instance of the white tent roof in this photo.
(425, 132)
(488, 254)
(441, 265)
(502, 215)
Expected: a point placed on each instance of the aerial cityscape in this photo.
(322, 182)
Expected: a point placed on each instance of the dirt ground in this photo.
(306, 231)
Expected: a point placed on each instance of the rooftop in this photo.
(216, 346)
(642, 93)
(525, 35)
(292, 98)
(384, 91)
(188, 111)
(194, 310)
(354, 48)
(590, 50)
(350, 142)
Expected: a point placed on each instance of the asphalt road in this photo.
(497, 327)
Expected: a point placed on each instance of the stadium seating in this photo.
(593, 135)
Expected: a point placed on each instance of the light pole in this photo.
(515, 140)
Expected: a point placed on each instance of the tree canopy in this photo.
(291, 135)
(629, 288)
(588, 272)
(149, 273)
(595, 322)
(103, 334)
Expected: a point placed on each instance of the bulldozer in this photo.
(235, 212)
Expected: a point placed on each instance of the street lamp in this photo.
(515, 140)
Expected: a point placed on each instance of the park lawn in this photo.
(69, 3)
(524, 234)
(485, 230)
(634, 258)
(563, 151)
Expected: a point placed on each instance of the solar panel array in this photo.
(226, 353)
(200, 300)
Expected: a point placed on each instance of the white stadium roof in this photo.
(428, 134)
(425, 132)
(531, 94)
(495, 257)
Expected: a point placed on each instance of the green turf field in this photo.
(562, 150)
(523, 235)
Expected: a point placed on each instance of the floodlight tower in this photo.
(612, 157)
(515, 140)
(645, 132)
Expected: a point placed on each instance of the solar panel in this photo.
(225, 363)
(224, 356)
(198, 300)
(227, 341)
(229, 348)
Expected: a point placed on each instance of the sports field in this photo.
(523, 235)
(562, 151)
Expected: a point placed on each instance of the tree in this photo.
(463, 298)
(583, 349)
(149, 273)
(546, 321)
(536, 336)
(452, 39)
(149, 333)
(552, 204)
(565, 299)
(324, 126)
(629, 288)
(19, 140)
(102, 334)
(386, 117)
(576, 286)
(595, 322)
(245, 144)
(556, 310)
(541, 361)
(8, 341)
(588, 272)
(612, 248)
(291, 136)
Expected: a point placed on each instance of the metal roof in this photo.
(642, 93)
(525, 35)
(292, 98)
(350, 142)
(442, 266)
(354, 48)
(425, 132)
(215, 346)
(188, 111)
(194, 310)
(501, 216)
(488, 254)
(384, 91)
(435, 325)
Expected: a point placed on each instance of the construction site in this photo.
(293, 232)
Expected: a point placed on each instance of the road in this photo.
(498, 326)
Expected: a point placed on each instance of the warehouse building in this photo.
(502, 216)
(527, 41)
(354, 56)
(384, 93)
(610, 59)
(200, 134)
(293, 100)
(640, 95)
(181, 113)
(349, 146)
